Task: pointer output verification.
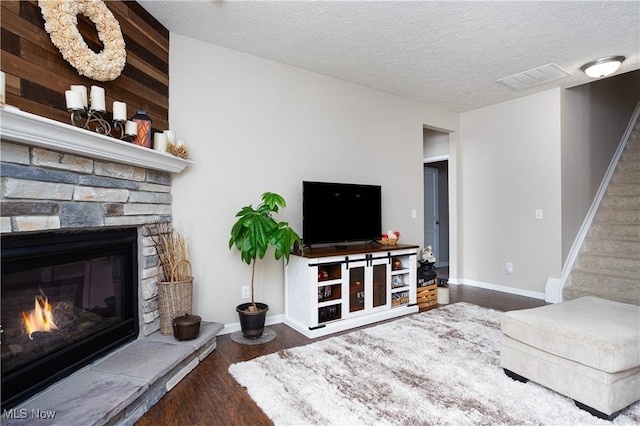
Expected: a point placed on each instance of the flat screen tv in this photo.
(340, 212)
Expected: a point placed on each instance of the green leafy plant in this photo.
(256, 229)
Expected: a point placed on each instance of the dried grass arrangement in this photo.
(175, 283)
(178, 150)
(172, 249)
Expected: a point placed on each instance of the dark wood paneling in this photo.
(10, 42)
(38, 75)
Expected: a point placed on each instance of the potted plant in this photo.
(255, 230)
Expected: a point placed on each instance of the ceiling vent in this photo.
(534, 77)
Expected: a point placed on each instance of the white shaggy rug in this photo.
(439, 367)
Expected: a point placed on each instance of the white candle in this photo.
(2, 84)
(98, 102)
(74, 102)
(160, 142)
(119, 111)
(83, 93)
(171, 136)
(131, 128)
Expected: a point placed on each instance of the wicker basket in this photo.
(175, 299)
(389, 241)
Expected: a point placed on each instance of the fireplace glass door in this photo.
(66, 299)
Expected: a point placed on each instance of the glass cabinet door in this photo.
(356, 288)
(379, 285)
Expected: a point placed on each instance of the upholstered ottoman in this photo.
(587, 349)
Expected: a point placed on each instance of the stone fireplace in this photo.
(59, 181)
(67, 298)
(59, 177)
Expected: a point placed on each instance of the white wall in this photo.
(509, 166)
(254, 125)
(435, 143)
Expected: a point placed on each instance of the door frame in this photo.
(452, 155)
(436, 159)
(432, 230)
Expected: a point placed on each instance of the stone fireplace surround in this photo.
(58, 177)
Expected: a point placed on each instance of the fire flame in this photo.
(40, 318)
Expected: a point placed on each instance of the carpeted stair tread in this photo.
(623, 202)
(628, 166)
(630, 155)
(611, 245)
(605, 230)
(627, 263)
(626, 177)
(595, 278)
(575, 292)
(624, 189)
(618, 216)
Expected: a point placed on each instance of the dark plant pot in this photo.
(252, 323)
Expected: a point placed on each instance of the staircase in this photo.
(608, 265)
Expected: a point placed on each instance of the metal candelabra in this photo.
(94, 121)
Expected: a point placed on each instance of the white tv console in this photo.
(331, 289)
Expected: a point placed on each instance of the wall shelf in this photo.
(34, 130)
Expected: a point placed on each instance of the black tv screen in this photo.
(340, 212)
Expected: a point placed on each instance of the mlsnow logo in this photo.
(14, 413)
(23, 413)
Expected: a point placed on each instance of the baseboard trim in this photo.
(235, 326)
(503, 289)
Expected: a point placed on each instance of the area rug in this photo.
(440, 367)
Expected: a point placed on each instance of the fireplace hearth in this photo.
(67, 299)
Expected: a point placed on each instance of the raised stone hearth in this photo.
(121, 387)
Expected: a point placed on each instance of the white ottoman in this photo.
(587, 349)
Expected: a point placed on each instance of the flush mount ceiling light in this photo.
(602, 67)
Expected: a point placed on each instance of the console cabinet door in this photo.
(358, 292)
(380, 279)
(368, 284)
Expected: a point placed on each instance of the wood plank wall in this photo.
(37, 75)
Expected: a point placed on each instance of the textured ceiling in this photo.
(445, 54)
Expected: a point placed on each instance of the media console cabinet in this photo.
(331, 289)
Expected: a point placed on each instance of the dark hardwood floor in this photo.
(210, 396)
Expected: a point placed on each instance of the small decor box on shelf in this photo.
(427, 293)
(401, 298)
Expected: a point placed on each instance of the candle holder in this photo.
(94, 121)
(120, 125)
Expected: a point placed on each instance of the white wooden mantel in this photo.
(30, 129)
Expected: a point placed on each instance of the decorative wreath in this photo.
(61, 22)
